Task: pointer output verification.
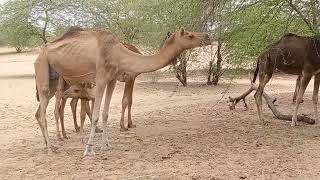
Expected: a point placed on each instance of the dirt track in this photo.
(181, 133)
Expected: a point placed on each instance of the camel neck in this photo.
(137, 63)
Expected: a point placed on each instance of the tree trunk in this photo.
(270, 101)
(215, 70)
(18, 49)
(181, 69)
(314, 13)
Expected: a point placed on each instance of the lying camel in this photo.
(98, 57)
(292, 54)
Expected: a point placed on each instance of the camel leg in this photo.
(44, 101)
(296, 89)
(89, 113)
(110, 88)
(315, 95)
(303, 85)
(100, 87)
(61, 111)
(82, 114)
(37, 115)
(263, 80)
(73, 105)
(125, 99)
(57, 105)
(130, 124)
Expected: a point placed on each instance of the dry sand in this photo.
(181, 133)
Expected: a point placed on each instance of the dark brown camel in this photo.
(292, 54)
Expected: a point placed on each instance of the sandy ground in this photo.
(182, 133)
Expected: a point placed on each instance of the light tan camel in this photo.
(96, 56)
(59, 110)
(292, 54)
(86, 94)
(77, 92)
(129, 78)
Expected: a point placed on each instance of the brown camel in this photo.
(77, 92)
(96, 56)
(292, 54)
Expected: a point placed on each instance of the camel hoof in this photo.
(65, 136)
(77, 128)
(131, 126)
(293, 123)
(98, 130)
(89, 151)
(123, 129)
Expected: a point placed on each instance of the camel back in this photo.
(70, 33)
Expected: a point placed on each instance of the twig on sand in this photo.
(270, 101)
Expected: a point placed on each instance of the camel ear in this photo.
(181, 31)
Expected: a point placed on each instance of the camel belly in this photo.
(75, 62)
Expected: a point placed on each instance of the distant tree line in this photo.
(241, 28)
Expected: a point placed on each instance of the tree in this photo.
(15, 28)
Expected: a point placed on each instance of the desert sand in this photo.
(182, 132)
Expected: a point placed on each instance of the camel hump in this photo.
(72, 31)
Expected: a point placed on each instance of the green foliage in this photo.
(257, 26)
(15, 29)
(245, 28)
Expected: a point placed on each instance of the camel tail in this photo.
(256, 72)
(37, 94)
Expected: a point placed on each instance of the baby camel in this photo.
(85, 93)
(292, 54)
(98, 57)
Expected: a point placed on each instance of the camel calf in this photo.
(86, 94)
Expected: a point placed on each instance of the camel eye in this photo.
(76, 90)
(191, 36)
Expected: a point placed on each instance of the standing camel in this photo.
(86, 94)
(96, 56)
(55, 83)
(79, 92)
(128, 78)
(292, 54)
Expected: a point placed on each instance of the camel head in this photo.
(83, 91)
(188, 40)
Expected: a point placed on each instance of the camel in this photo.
(98, 57)
(128, 78)
(83, 92)
(59, 110)
(292, 54)
(86, 94)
